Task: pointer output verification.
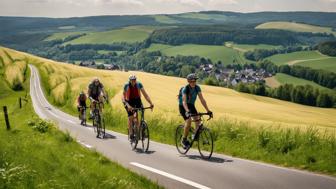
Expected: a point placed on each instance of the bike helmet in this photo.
(192, 76)
(132, 77)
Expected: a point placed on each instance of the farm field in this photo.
(129, 34)
(287, 79)
(216, 53)
(226, 103)
(247, 47)
(61, 35)
(296, 27)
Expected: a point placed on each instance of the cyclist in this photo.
(81, 104)
(187, 98)
(131, 99)
(95, 90)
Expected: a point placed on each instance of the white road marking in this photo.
(185, 181)
(72, 121)
(82, 143)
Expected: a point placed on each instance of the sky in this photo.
(78, 8)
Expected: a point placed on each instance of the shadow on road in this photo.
(212, 159)
(109, 136)
(139, 151)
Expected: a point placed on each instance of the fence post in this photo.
(6, 117)
(20, 102)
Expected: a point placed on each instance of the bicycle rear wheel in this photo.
(205, 143)
(144, 136)
(134, 142)
(178, 138)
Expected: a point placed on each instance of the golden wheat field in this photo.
(225, 103)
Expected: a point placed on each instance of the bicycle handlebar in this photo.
(203, 114)
(135, 109)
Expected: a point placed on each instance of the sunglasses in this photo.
(193, 81)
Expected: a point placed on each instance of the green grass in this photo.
(287, 79)
(289, 58)
(107, 52)
(130, 34)
(296, 27)
(328, 64)
(247, 47)
(31, 157)
(165, 19)
(309, 148)
(61, 35)
(215, 53)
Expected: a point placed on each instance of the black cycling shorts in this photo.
(192, 110)
(135, 103)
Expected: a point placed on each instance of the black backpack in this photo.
(188, 89)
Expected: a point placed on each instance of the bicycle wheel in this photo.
(98, 124)
(134, 142)
(144, 136)
(178, 138)
(102, 126)
(205, 143)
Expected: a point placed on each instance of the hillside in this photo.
(34, 153)
(296, 27)
(312, 59)
(226, 103)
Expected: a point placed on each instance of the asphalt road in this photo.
(163, 164)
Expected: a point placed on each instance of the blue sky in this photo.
(70, 8)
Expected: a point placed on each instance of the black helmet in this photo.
(192, 76)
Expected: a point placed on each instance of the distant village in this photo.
(233, 77)
(229, 76)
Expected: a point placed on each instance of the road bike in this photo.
(141, 134)
(202, 135)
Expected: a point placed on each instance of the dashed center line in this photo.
(171, 176)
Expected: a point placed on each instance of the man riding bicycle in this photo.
(187, 98)
(131, 99)
(95, 89)
(81, 104)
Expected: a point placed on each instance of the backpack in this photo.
(179, 96)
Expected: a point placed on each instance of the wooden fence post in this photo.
(20, 102)
(6, 117)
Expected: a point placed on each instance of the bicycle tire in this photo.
(134, 142)
(205, 143)
(178, 138)
(144, 136)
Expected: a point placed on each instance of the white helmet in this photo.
(132, 77)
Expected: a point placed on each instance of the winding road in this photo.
(164, 165)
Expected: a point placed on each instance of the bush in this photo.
(40, 125)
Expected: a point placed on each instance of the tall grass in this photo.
(34, 154)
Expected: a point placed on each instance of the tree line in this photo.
(259, 54)
(217, 35)
(327, 48)
(301, 94)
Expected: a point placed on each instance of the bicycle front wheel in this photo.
(205, 143)
(144, 136)
(98, 124)
(178, 138)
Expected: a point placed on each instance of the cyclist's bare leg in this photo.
(187, 126)
(130, 120)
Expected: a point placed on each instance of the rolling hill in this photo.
(312, 59)
(226, 103)
(296, 27)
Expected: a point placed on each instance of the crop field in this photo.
(296, 27)
(247, 47)
(226, 103)
(284, 78)
(216, 53)
(130, 34)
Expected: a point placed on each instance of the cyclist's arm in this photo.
(184, 101)
(146, 96)
(200, 96)
(124, 100)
